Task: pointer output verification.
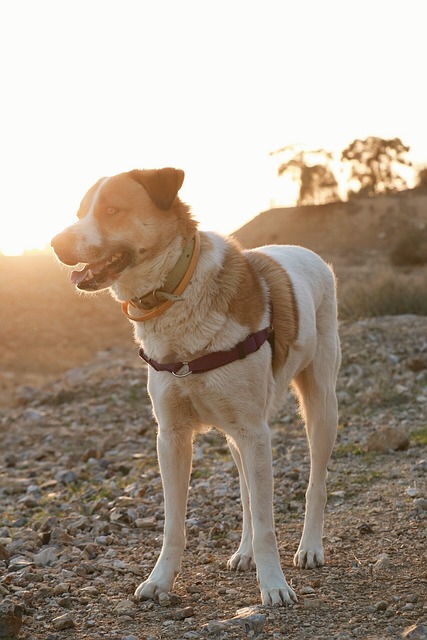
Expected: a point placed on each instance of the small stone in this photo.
(91, 454)
(382, 563)
(411, 492)
(415, 632)
(66, 476)
(66, 621)
(181, 614)
(61, 588)
(311, 603)
(164, 600)
(61, 536)
(33, 414)
(420, 503)
(125, 608)
(91, 590)
(365, 528)
(388, 438)
(46, 557)
(251, 624)
(146, 523)
(381, 606)
(11, 460)
(4, 554)
(26, 393)
(421, 466)
(306, 591)
(10, 621)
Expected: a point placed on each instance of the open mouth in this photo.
(100, 275)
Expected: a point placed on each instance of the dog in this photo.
(224, 332)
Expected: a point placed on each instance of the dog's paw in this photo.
(278, 595)
(241, 562)
(150, 589)
(309, 557)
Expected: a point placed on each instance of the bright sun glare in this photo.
(211, 88)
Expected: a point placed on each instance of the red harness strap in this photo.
(219, 358)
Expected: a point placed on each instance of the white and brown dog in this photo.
(225, 331)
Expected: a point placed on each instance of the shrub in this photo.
(410, 250)
(387, 296)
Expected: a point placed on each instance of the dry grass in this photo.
(388, 293)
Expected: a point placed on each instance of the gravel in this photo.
(82, 511)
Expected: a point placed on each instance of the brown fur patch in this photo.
(241, 290)
(284, 303)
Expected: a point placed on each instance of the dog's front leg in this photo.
(174, 447)
(255, 451)
(243, 559)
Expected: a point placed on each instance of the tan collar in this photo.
(157, 302)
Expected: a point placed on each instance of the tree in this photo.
(422, 179)
(376, 165)
(318, 184)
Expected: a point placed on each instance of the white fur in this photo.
(87, 230)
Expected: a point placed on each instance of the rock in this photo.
(304, 591)
(388, 438)
(420, 467)
(4, 554)
(146, 523)
(365, 528)
(66, 621)
(246, 620)
(411, 492)
(164, 600)
(65, 476)
(125, 608)
(46, 557)
(382, 563)
(311, 603)
(26, 393)
(415, 632)
(60, 536)
(34, 415)
(10, 621)
(181, 614)
(61, 588)
(168, 599)
(420, 503)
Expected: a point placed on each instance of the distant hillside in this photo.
(347, 231)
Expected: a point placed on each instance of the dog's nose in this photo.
(63, 247)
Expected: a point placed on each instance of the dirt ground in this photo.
(46, 327)
(82, 511)
(81, 501)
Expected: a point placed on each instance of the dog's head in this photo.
(122, 221)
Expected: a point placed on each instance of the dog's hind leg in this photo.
(243, 559)
(174, 447)
(316, 390)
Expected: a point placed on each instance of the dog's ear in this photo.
(162, 185)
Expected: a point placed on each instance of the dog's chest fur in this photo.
(228, 298)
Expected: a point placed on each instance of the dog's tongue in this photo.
(78, 276)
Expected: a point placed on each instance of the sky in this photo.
(90, 88)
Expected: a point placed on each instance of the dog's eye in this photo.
(111, 211)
